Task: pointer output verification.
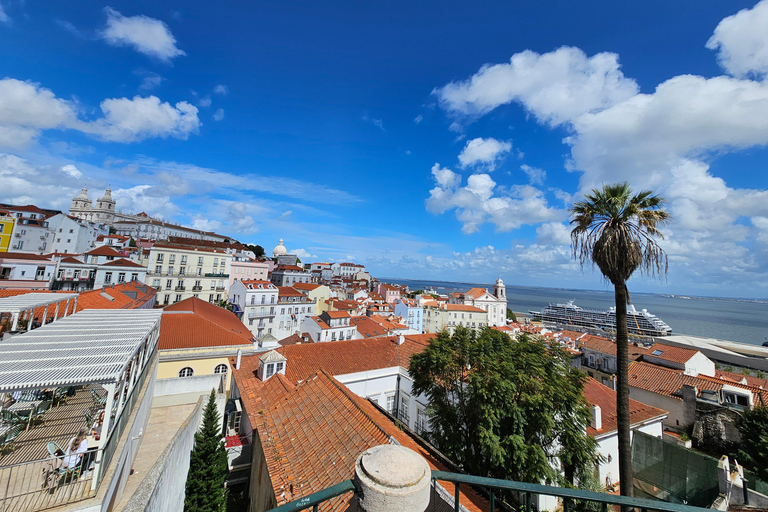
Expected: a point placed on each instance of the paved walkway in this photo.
(164, 422)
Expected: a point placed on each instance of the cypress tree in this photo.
(205, 491)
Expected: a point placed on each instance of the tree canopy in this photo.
(506, 408)
(205, 491)
(257, 250)
(754, 441)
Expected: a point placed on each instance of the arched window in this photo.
(220, 368)
(186, 372)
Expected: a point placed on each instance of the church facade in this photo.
(494, 303)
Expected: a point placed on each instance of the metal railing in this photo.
(493, 486)
(41, 484)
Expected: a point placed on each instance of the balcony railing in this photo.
(197, 288)
(213, 274)
(180, 288)
(220, 288)
(492, 486)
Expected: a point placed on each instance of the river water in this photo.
(728, 319)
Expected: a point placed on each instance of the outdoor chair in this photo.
(54, 450)
(98, 401)
(60, 396)
(38, 415)
(8, 440)
(12, 419)
(89, 420)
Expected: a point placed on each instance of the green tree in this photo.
(205, 491)
(505, 408)
(511, 315)
(257, 250)
(754, 441)
(132, 242)
(226, 305)
(617, 231)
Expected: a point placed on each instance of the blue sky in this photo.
(442, 140)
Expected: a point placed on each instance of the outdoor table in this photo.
(24, 406)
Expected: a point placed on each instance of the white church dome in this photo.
(83, 195)
(279, 250)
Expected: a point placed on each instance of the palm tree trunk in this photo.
(622, 390)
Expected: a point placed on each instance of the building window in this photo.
(159, 258)
(186, 372)
(158, 269)
(215, 262)
(182, 270)
(121, 277)
(108, 277)
(220, 368)
(270, 370)
(421, 421)
(403, 412)
(172, 259)
(156, 283)
(199, 271)
(200, 261)
(390, 404)
(166, 299)
(170, 271)
(178, 297)
(184, 259)
(169, 284)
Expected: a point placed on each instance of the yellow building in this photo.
(319, 292)
(7, 221)
(197, 338)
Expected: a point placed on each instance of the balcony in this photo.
(180, 288)
(197, 288)
(216, 275)
(490, 488)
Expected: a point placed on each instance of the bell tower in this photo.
(499, 290)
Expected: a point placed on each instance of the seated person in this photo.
(77, 446)
(96, 427)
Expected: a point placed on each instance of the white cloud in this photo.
(304, 255)
(72, 171)
(741, 42)
(240, 219)
(554, 233)
(555, 87)
(379, 123)
(204, 223)
(477, 202)
(4, 18)
(146, 35)
(483, 152)
(131, 120)
(150, 81)
(419, 118)
(26, 108)
(535, 175)
(218, 115)
(205, 101)
(221, 89)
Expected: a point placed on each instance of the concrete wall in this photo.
(260, 493)
(162, 490)
(676, 408)
(609, 445)
(203, 367)
(187, 390)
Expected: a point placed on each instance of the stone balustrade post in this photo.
(392, 478)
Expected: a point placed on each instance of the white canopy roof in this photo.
(93, 346)
(27, 301)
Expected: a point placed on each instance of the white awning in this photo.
(27, 301)
(92, 346)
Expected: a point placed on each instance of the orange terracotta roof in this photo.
(608, 346)
(345, 304)
(476, 292)
(195, 323)
(351, 356)
(122, 262)
(605, 398)
(288, 291)
(128, 295)
(337, 314)
(290, 267)
(257, 281)
(312, 434)
(166, 245)
(70, 259)
(387, 323)
(104, 250)
(672, 353)
(24, 256)
(742, 379)
(367, 327)
(306, 286)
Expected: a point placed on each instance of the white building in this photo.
(87, 273)
(179, 272)
(293, 307)
(28, 271)
(30, 233)
(288, 275)
(256, 303)
(449, 316)
(329, 326)
(495, 304)
(71, 235)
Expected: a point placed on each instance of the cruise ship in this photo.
(638, 322)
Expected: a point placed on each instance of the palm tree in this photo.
(617, 231)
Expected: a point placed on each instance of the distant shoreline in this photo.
(395, 280)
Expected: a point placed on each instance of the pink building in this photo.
(388, 292)
(248, 270)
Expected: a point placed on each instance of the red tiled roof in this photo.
(351, 356)
(290, 267)
(122, 262)
(24, 256)
(104, 250)
(257, 282)
(195, 323)
(368, 327)
(672, 353)
(476, 292)
(70, 259)
(288, 291)
(337, 314)
(386, 322)
(608, 346)
(115, 297)
(742, 379)
(345, 304)
(312, 434)
(605, 398)
(306, 286)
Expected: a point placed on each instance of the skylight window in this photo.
(657, 352)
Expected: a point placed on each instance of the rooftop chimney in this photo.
(239, 356)
(400, 339)
(597, 417)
